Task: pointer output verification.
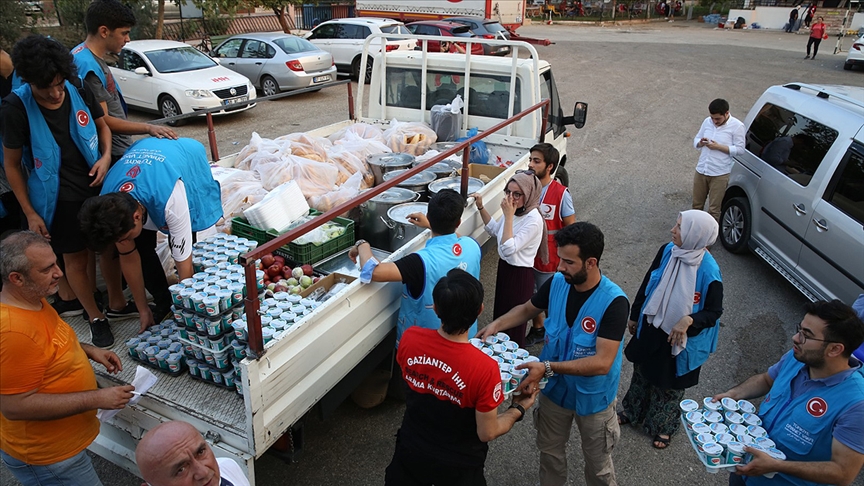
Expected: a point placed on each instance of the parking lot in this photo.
(647, 87)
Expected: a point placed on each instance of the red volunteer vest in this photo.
(550, 209)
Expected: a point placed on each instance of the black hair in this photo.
(549, 152)
(842, 324)
(445, 211)
(458, 299)
(104, 219)
(39, 59)
(586, 236)
(110, 13)
(718, 107)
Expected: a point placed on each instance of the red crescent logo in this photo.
(82, 117)
(134, 171)
(127, 187)
(37, 163)
(697, 297)
(496, 394)
(457, 249)
(817, 407)
(589, 325)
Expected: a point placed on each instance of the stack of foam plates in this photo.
(279, 208)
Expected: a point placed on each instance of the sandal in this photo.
(661, 440)
(623, 419)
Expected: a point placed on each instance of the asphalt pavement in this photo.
(647, 87)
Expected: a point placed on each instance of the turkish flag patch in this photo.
(817, 407)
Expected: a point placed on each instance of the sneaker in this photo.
(535, 336)
(807, 56)
(100, 334)
(125, 313)
(67, 308)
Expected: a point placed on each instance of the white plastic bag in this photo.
(409, 137)
(362, 130)
(307, 146)
(257, 147)
(274, 171)
(314, 178)
(347, 191)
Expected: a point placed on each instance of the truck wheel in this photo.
(355, 70)
(169, 107)
(269, 86)
(562, 177)
(847, 66)
(735, 225)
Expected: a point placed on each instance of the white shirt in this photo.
(179, 223)
(520, 250)
(230, 470)
(715, 162)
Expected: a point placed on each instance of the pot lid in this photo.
(446, 165)
(442, 146)
(421, 179)
(400, 213)
(455, 183)
(395, 195)
(391, 160)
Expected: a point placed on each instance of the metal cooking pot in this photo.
(383, 163)
(402, 230)
(373, 215)
(455, 183)
(417, 183)
(445, 168)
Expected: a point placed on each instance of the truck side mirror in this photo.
(580, 112)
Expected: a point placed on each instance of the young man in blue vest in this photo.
(419, 271)
(814, 403)
(159, 185)
(587, 316)
(56, 130)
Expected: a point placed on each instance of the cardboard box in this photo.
(328, 282)
(490, 171)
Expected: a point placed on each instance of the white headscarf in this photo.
(673, 297)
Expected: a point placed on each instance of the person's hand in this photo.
(678, 335)
(489, 330)
(146, 317)
(115, 397)
(418, 219)
(106, 358)
(713, 145)
(703, 142)
(353, 253)
(478, 200)
(631, 326)
(529, 384)
(508, 206)
(99, 170)
(721, 396)
(37, 225)
(160, 131)
(760, 464)
(526, 398)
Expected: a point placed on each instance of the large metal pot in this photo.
(418, 183)
(445, 168)
(373, 215)
(383, 163)
(402, 230)
(455, 183)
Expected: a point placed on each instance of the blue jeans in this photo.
(75, 471)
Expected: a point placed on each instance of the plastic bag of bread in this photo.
(257, 146)
(314, 178)
(347, 191)
(361, 147)
(409, 137)
(362, 130)
(349, 164)
(273, 171)
(306, 146)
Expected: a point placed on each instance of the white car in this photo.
(856, 54)
(173, 78)
(344, 39)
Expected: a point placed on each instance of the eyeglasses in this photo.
(805, 338)
(516, 195)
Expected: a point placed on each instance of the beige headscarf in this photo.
(531, 188)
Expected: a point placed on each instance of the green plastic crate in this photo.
(310, 252)
(241, 227)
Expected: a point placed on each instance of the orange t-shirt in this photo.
(40, 351)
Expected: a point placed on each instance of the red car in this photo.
(446, 29)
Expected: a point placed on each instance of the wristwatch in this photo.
(360, 242)
(548, 373)
(521, 410)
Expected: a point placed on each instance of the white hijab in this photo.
(673, 297)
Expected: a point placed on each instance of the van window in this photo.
(556, 114)
(791, 143)
(847, 192)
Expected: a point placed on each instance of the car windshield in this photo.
(179, 59)
(394, 29)
(293, 45)
(494, 27)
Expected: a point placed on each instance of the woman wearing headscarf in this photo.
(674, 323)
(520, 233)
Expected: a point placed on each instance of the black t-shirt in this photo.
(74, 172)
(614, 321)
(413, 272)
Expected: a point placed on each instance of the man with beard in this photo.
(814, 407)
(581, 359)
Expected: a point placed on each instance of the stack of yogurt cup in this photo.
(279, 314)
(721, 430)
(160, 347)
(509, 355)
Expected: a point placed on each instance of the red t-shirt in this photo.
(447, 383)
(817, 30)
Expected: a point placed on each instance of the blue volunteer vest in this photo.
(42, 157)
(803, 427)
(699, 347)
(586, 395)
(150, 169)
(87, 63)
(441, 254)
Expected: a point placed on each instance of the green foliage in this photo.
(12, 18)
(145, 18)
(218, 14)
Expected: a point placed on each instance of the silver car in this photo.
(276, 62)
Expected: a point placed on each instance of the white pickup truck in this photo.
(321, 360)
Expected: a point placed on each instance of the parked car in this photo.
(275, 61)
(446, 29)
(796, 194)
(344, 38)
(856, 54)
(487, 29)
(32, 7)
(172, 78)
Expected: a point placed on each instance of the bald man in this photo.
(175, 454)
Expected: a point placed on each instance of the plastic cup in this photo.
(736, 429)
(746, 407)
(162, 358)
(200, 275)
(208, 357)
(225, 298)
(718, 429)
(702, 439)
(748, 456)
(259, 278)
(543, 382)
(502, 337)
(175, 347)
(217, 343)
(226, 322)
(209, 268)
(491, 340)
(692, 418)
(476, 342)
(238, 349)
(751, 419)
(216, 377)
(298, 309)
(164, 343)
(506, 382)
(177, 311)
(187, 282)
(228, 378)
(211, 305)
(174, 361)
(197, 263)
(193, 367)
(498, 348)
(222, 359)
(238, 385)
(154, 340)
(267, 334)
(688, 405)
(511, 346)
(240, 330)
(713, 417)
(214, 326)
(745, 439)
(756, 431)
(724, 439)
(700, 428)
(516, 377)
(505, 367)
(205, 372)
(131, 344)
(238, 291)
(233, 256)
(729, 404)
(487, 352)
(508, 356)
(734, 453)
(713, 453)
(141, 350)
(522, 353)
(710, 405)
(294, 298)
(288, 317)
(197, 300)
(198, 354)
(733, 418)
(765, 442)
(193, 337)
(532, 359)
(278, 325)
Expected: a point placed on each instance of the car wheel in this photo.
(269, 86)
(168, 107)
(847, 66)
(735, 224)
(562, 177)
(355, 70)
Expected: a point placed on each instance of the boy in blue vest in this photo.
(814, 403)
(581, 358)
(54, 127)
(159, 185)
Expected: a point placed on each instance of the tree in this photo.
(160, 19)
(279, 8)
(12, 19)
